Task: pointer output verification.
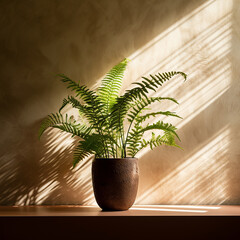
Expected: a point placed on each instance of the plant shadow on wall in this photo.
(49, 180)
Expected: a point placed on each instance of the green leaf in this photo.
(160, 125)
(154, 114)
(65, 124)
(111, 85)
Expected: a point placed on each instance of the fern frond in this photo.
(154, 114)
(134, 140)
(79, 153)
(168, 98)
(65, 102)
(138, 106)
(160, 125)
(134, 143)
(93, 115)
(153, 82)
(66, 124)
(49, 121)
(92, 144)
(88, 96)
(111, 84)
(124, 103)
(75, 130)
(155, 141)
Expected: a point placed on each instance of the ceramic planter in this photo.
(115, 182)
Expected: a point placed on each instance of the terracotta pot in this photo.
(115, 182)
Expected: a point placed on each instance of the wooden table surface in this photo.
(140, 222)
(136, 210)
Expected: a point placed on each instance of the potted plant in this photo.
(112, 128)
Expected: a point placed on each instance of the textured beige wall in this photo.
(84, 39)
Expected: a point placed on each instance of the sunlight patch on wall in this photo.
(77, 181)
(56, 185)
(194, 31)
(58, 143)
(202, 177)
(200, 45)
(43, 192)
(7, 178)
(82, 180)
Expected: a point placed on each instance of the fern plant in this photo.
(113, 125)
